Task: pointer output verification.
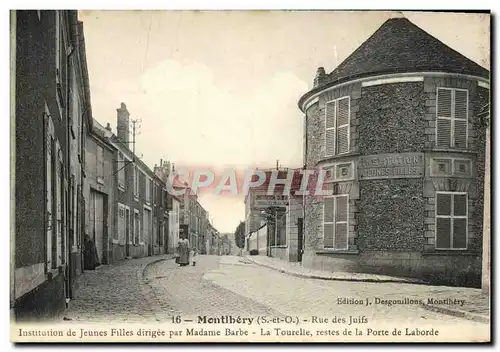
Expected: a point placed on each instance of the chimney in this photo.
(108, 127)
(123, 124)
(320, 76)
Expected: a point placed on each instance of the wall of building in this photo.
(101, 181)
(392, 221)
(35, 99)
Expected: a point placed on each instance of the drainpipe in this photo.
(69, 55)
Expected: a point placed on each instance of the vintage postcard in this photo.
(250, 176)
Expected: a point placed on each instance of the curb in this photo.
(457, 313)
(152, 302)
(327, 278)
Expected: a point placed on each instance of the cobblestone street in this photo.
(133, 291)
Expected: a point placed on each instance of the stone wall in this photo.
(392, 118)
(392, 216)
(392, 221)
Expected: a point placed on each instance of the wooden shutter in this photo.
(443, 232)
(460, 118)
(342, 125)
(328, 209)
(443, 204)
(341, 233)
(328, 218)
(330, 128)
(444, 116)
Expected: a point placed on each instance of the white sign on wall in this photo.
(265, 201)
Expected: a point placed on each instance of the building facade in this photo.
(141, 215)
(99, 191)
(395, 128)
(50, 114)
(281, 212)
(174, 219)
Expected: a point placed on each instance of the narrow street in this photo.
(225, 285)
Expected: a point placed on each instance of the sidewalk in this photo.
(475, 307)
(295, 269)
(116, 292)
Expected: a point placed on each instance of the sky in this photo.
(219, 89)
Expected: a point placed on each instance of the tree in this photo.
(239, 235)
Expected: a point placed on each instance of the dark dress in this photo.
(183, 252)
(90, 256)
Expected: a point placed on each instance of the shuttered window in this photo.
(121, 170)
(451, 220)
(337, 126)
(452, 117)
(335, 222)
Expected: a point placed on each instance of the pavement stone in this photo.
(114, 293)
(183, 291)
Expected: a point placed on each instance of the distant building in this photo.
(395, 125)
(174, 218)
(285, 240)
(141, 199)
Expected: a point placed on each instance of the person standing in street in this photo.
(90, 256)
(194, 256)
(183, 251)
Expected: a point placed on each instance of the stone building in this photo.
(99, 191)
(193, 216)
(395, 126)
(174, 218)
(281, 211)
(141, 201)
(50, 112)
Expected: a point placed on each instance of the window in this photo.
(452, 117)
(451, 220)
(278, 236)
(335, 222)
(137, 227)
(148, 189)
(120, 233)
(60, 60)
(50, 188)
(136, 181)
(100, 164)
(121, 170)
(337, 126)
(177, 211)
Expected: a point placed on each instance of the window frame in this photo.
(451, 217)
(120, 161)
(335, 222)
(335, 128)
(453, 118)
(136, 226)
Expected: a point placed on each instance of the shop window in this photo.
(335, 222)
(451, 220)
(337, 130)
(452, 117)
